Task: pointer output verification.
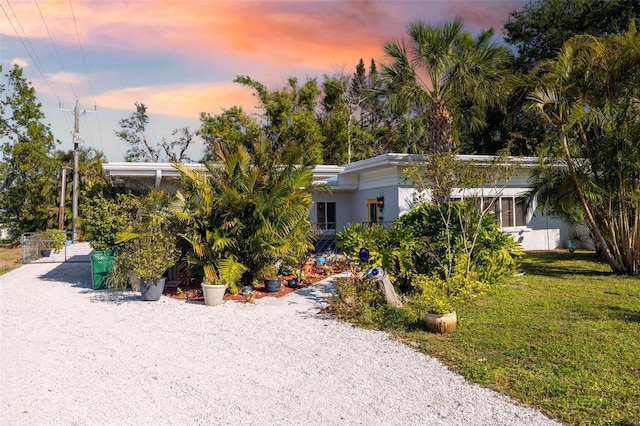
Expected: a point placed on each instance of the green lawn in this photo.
(564, 338)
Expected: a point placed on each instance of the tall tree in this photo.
(589, 95)
(90, 175)
(289, 114)
(232, 127)
(542, 26)
(449, 79)
(133, 131)
(28, 187)
(336, 120)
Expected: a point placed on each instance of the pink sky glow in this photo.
(179, 57)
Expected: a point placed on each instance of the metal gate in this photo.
(35, 248)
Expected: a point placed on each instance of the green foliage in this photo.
(355, 236)
(439, 296)
(290, 122)
(445, 238)
(251, 206)
(357, 299)
(54, 238)
(542, 26)
(118, 276)
(28, 172)
(588, 96)
(269, 272)
(103, 217)
(464, 77)
(152, 252)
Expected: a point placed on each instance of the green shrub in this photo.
(102, 218)
(356, 236)
(447, 239)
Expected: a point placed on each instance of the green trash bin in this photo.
(101, 264)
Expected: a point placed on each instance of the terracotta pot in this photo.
(308, 267)
(441, 323)
(213, 293)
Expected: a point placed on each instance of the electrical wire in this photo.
(86, 69)
(56, 50)
(30, 50)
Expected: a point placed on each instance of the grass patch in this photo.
(10, 258)
(563, 338)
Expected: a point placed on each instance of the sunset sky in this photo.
(180, 57)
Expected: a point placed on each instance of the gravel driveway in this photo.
(70, 355)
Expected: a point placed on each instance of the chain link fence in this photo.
(42, 248)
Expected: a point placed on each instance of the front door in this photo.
(372, 214)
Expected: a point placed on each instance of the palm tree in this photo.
(447, 77)
(588, 93)
(247, 209)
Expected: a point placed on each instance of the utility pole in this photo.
(63, 190)
(76, 143)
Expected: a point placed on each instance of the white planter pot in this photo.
(213, 294)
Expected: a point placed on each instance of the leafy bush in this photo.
(102, 218)
(448, 239)
(357, 300)
(356, 236)
(152, 253)
(440, 296)
(54, 239)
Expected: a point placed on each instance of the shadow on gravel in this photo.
(115, 297)
(76, 274)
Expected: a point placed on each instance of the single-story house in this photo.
(374, 190)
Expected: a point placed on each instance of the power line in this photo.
(86, 69)
(29, 49)
(56, 49)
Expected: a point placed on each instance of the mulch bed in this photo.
(193, 292)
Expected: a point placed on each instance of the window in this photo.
(326, 215)
(372, 213)
(508, 211)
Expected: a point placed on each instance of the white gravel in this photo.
(70, 355)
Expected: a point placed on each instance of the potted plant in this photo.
(439, 298)
(49, 241)
(101, 219)
(152, 253)
(272, 281)
(121, 274)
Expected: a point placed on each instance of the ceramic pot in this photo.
(441, 323)
(272, 286)
(213, 293)
(151, 290)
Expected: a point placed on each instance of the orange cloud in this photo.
(184, 100)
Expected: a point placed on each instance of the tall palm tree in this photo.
(448, 77)
(589, 94)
